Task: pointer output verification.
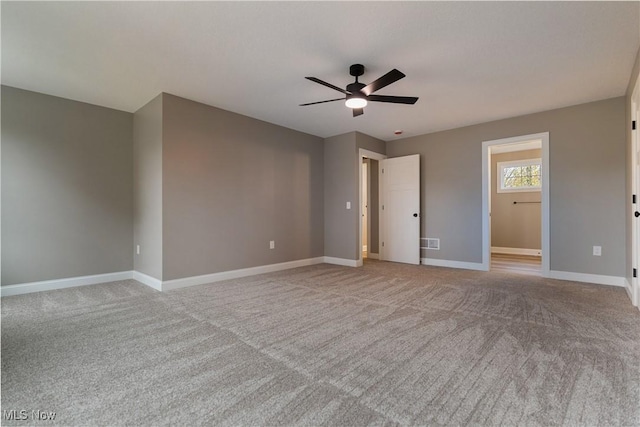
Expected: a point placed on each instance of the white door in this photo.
(635, 291)
(400, 209)
(635, 136)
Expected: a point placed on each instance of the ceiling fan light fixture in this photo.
(359, 94)
(355, 102)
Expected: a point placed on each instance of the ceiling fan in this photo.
(358, 94)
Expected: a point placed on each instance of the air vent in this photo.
(430, 243)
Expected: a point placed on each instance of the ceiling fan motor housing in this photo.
(356, 70)
(355, 89)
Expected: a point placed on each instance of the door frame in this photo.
(486, 196)
(365, 154)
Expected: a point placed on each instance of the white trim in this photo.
(628, 288)
(371, 154)
(70, 282)
(452, 264)
(342, 261)
(559, 275)
(168, 285)
(145, 279)
(364, 154)
(587, 278)
(48, 285)
(366, 213)
(515, 251)
(521, 146)
(630, 292)
(486, 196)
(373, 255)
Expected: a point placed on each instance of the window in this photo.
(519, 175)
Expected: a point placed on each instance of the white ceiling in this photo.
(469, 62)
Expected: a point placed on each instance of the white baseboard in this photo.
(373, 256)
(453, 264)
(635, 301)
(588, 278)
(49, 285)
(148, 280)
(235, 274)
(629, 289)
(341, 261)
(515, 251)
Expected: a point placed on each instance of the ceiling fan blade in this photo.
(358, 112)
(323, 83)
(392, 76)
(322, 102)
(393, 99)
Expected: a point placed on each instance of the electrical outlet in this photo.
(272, 244)
(597, 251)
(137, 249)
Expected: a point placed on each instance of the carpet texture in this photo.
(385, 344)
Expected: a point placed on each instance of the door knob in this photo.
(415, 215)
(637, 214)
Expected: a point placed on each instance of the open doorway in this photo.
(515, 206)
(364, 208)
(369, 228)
(515, 199)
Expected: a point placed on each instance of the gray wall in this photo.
(587, 184)
(147, 188)
(519, 225)
(341, 171)
(630, 208)
(66, 188)
(370, 143)
(340, 187)
(230, 185)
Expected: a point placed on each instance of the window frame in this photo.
(501, 166)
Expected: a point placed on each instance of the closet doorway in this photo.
(515, 204)
(364, 209)
(369, 209)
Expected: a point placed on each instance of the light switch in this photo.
(348, 205)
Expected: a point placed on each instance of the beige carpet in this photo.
(327, 345)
